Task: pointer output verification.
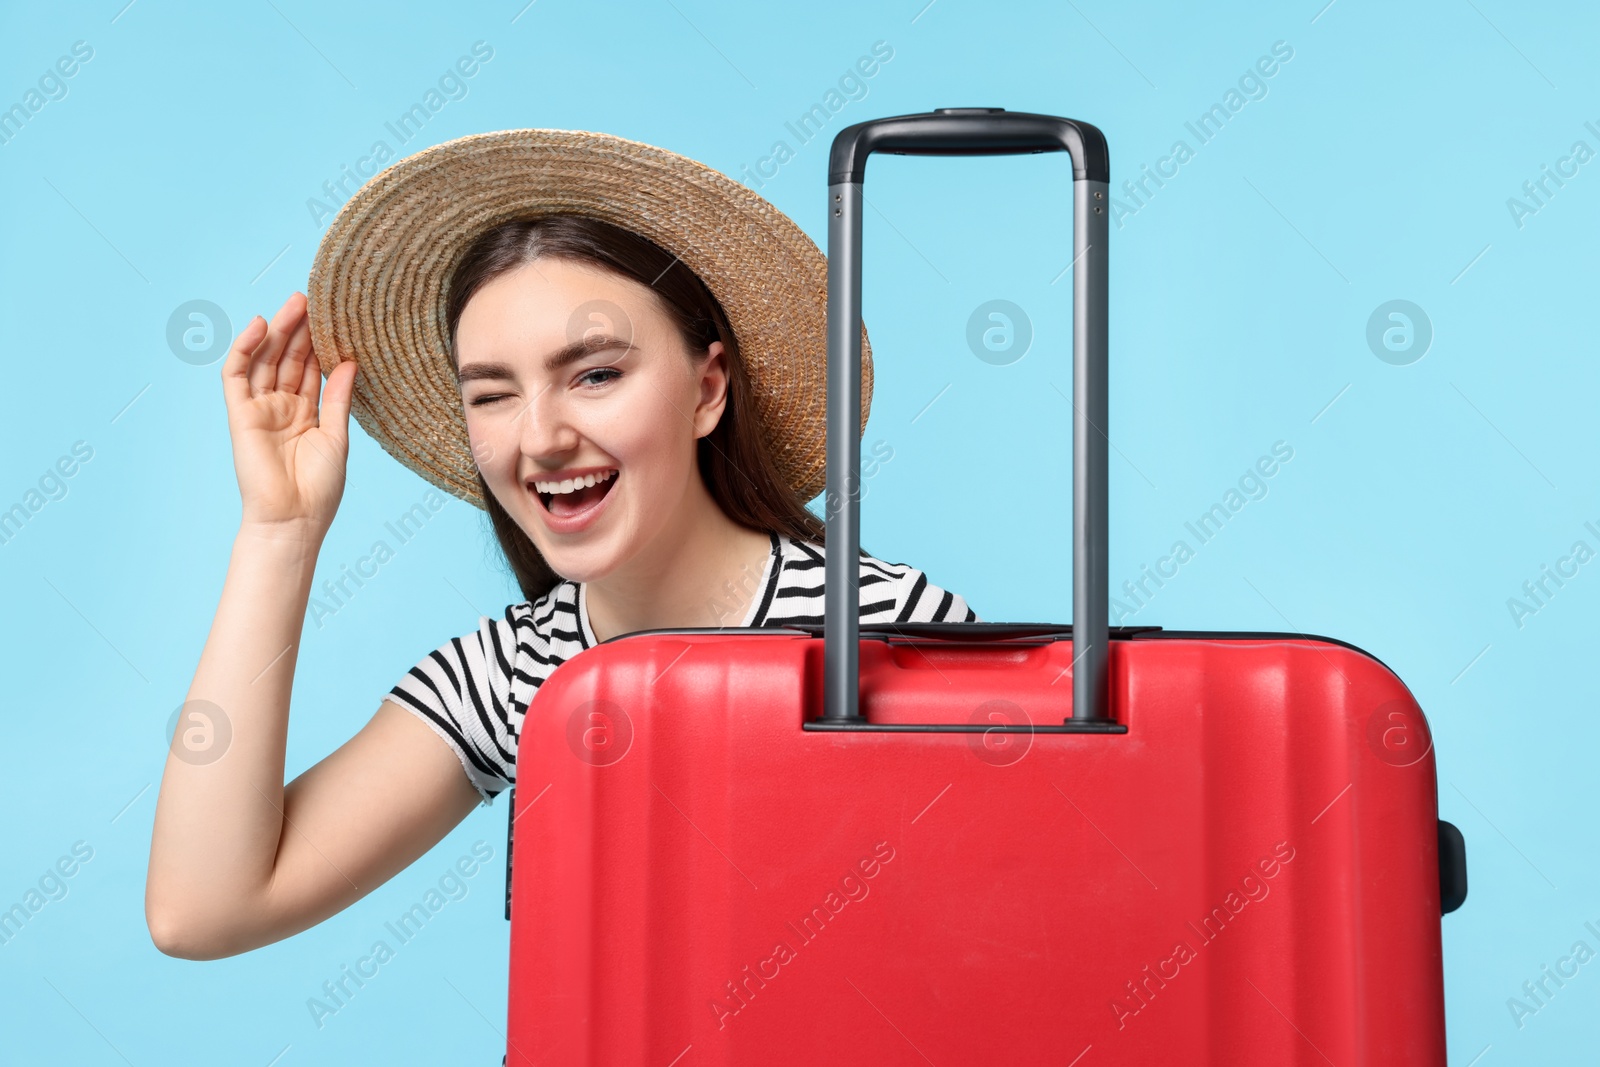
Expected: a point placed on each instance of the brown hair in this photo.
(734, 458)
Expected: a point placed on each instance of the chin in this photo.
(589, 558)
(581, 565)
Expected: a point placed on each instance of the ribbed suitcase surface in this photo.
(1249, 875)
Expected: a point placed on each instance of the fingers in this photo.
(236, 366)
(291, 368)
(264, 360)
(275, 356)
(310, 381)
(334, 418)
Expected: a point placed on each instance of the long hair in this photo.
(734, 459)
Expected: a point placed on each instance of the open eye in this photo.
(587, 377)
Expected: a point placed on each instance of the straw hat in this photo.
(377, 288)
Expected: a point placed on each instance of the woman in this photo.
(642, 470)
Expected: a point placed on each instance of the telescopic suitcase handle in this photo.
(969, 131)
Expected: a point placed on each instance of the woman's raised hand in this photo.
(290, 461)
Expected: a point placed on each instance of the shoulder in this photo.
(521, 644)
(909, 595)
(520, 627)
(554, 613)
(890, 591)
(548, 630)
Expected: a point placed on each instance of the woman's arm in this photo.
(236, 859)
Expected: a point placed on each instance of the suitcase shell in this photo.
(1248, 875)
(976, 843)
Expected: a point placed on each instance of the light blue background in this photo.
(1420, 497)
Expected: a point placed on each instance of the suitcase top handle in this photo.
(968, 131)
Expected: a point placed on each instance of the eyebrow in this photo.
(561, 357)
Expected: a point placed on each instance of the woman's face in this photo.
(571, 374)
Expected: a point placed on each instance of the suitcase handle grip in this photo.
(968, 131)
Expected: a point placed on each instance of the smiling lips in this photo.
(573, 483)
(572, 503)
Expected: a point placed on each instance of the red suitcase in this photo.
(864, 845)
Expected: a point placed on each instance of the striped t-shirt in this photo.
(474, 690)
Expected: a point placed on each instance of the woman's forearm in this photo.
(219, 815)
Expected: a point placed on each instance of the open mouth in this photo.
(574, 496)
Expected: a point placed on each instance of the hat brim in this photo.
(377, 287)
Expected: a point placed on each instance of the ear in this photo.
(712, 375)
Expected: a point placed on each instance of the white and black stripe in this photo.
(474, 690)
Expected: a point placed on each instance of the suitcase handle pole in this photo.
(968, 131)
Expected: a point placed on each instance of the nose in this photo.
(546, 432)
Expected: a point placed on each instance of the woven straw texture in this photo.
(377, 287)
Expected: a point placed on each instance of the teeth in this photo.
(570, 484)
